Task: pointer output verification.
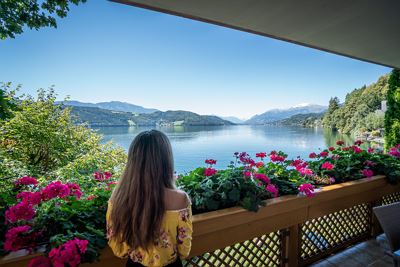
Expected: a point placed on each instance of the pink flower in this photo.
(55, 189)
(327, 166)
(324, 154)
(210, 171)
(312, 155)
(74, 190)
(259, 164)
(296, 162)
(91, 197)
(40, 262)
(26, 180)
(17, 238)
(369, 163)
(20, 211)
(358, 142)
(371, 150)
(68, 253)
(394, 152)
(339, 143)
(331, 148)
(304, 171)
(211, 161)
(272, 189)
(276, 158)
(367, 173)
(307, 189)
(335, 157)
(247, 173)
(33, 198)
(261, 155)
(332, 180)
(356, 149)
(262, 177)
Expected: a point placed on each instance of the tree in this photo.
(35, 14)
(328, 120)
(392, 116)
(8, 100)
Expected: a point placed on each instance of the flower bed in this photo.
(68, 217)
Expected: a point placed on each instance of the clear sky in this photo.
(107, 51)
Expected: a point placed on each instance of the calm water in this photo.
(192, 145)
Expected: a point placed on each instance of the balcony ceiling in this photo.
(368, 30)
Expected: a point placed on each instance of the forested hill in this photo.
(358, 112)
(102, 117)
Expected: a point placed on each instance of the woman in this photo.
(148, 219)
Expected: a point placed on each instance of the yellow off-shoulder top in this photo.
(174, 241)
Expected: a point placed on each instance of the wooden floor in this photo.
(369, 253)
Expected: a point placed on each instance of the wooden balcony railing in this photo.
(288, 231)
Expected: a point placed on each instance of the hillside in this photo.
(301, 120)
(358, 113)
(101, 117)
(111, 105)
(281, 114)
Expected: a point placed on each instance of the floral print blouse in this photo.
(174, 240)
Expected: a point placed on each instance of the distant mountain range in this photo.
(281, 114)
(112, 105)
(95, 116)
(233, 119)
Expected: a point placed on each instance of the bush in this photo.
(392, 116)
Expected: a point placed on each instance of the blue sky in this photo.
(107, 51)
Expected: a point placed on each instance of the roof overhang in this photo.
(367, 30)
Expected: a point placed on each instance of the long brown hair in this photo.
(138, 200)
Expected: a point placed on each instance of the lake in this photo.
(192, 145)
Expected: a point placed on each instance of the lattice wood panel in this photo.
(265, 250)
(392, 198)
(331, 231)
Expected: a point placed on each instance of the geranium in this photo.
(210, 171)
(91, 197)
(211, 161)
(358, 142)
(327, 166)
(74, 190)
(40, 262)
(312, 155)
(276, 158)
(55, 189)
(369, 163)
(26, 180)
(339, 142)
(33, 198)
(68, 253)
(331, 148)
(304, 171)
(272, 189)
(262, 177)
(20, 211)
(17, 238)
(395, 152)
(102, 176)
(367, 173)
(109, 184)
(261, 155)
(371, 150)
(296, 162)
(345, 148)
(324, 154)
(356, 149)
(259, 164)
(247, 173)
(307, 189)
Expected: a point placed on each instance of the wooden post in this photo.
(294, 246)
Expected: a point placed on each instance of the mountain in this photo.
(280, 114)
(301, 120)
(111, 105)
(102, 117)
(233, 119)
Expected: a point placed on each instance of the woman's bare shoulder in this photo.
(176, 199)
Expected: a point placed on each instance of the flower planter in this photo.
(288, 216)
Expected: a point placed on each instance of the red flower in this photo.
(358, 142)
(276, 158)
(55, 189)
(371, 150)
(261, 155)
(210, 171)
(296, 162)
(327, 166)
(307, 189)
(90, 197)
(272, 189)
(211, 161)
(369, 163)
(74, 190)
(17, 238)
(339, 143)
(312, 155)
(304, 171)
(356, 149)
(26, 180)
(247, 173)
(331, 148)
(68, 253)
(259, 164)
(20, 211)
(324, 154)
(33, 198)
(262, 177)
(109, 184)
(345, 148)
(40, 262)
(395, 152)
(367, 173)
